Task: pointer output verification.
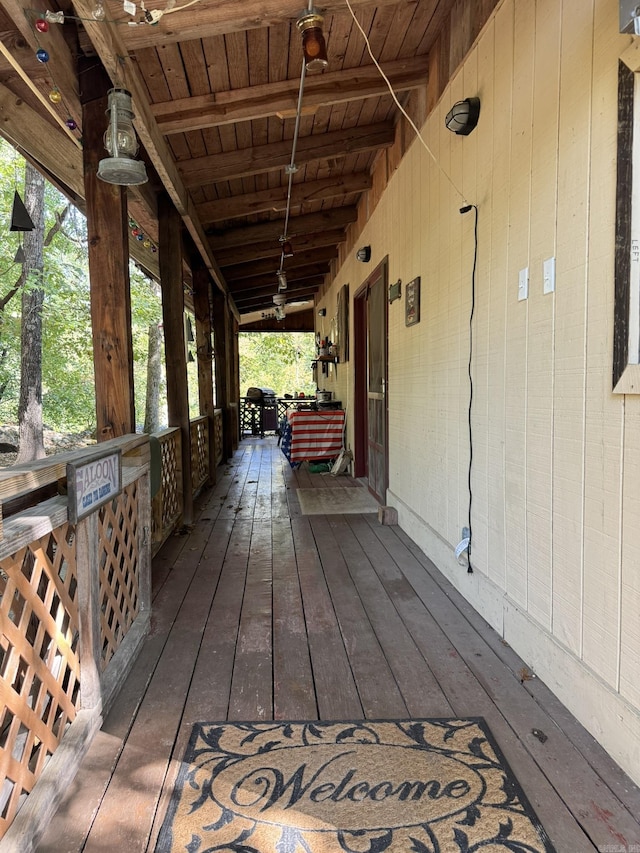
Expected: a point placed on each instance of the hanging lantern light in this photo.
(313, 44)
(282, 280)
(121, 143)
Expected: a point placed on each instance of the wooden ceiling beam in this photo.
(230, 165)
(265, 300)
(273, 248)
(269, 281)
(204, 20)
(276, 199)
(239, 272)
(268, 99)
(308, 223)
(306, 288)
(294, 321)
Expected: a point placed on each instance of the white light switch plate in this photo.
(549, 275)
(523, 284)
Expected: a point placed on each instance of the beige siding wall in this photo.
(556, 456)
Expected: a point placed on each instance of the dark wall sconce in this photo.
(364, 254)
(463, 116)
(322, 312)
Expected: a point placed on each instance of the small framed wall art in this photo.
(412, 302)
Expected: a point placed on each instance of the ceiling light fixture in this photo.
(463, 116)
(282, 280)
(313, 45)
(121, 143)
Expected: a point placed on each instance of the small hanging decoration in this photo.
(71, 124)
(42, 55)
(20, 219)
(54, 95)
(140, 236)
(42, 26)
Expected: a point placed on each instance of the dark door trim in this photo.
(361, 402)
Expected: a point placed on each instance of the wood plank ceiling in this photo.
(215, 90)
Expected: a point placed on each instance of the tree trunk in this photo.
(30, 428)
(154, 378)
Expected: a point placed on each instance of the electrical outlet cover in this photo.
(549, 275)
(523, 284)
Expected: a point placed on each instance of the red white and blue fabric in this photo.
(312, 435)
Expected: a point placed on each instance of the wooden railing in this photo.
(75, 605)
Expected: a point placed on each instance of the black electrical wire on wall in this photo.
(466, 209)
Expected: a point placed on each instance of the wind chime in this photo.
(20, 222)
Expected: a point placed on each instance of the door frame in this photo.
(360, 358)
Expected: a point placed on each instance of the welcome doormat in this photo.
(338, 501)
(428, 786)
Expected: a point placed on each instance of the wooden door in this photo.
(371, 443)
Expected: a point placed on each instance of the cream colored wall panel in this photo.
(569, 402)
(603, 410)
(630, 548)
(516, 338)
(541, 311)
(497, 208)
(482, 415)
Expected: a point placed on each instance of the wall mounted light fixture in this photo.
(121, 167)
(463, 116)
(364, 254)
(313, 44)
(322, 312)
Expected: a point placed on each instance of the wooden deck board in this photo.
(260, 612)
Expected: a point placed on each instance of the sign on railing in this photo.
(92, 482)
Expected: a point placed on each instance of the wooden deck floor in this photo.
(262, 613)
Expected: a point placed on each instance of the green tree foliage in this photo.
(278, 360)
(67, 370)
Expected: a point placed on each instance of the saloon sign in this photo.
(93, 482)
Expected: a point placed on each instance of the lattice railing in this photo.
(74, 609)
(199, 452)
(119, 570)
(39, 665)
(171, 477)
(218, 427)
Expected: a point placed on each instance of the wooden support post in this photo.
(223, 370)
(202, 306)
(88, 572)
(235, 378)
(107, 228)
(170, 252)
